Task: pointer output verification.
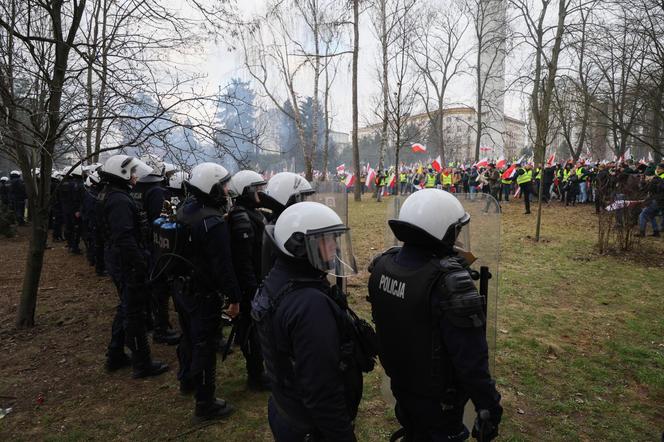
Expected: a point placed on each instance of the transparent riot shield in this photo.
(335, 196)
(479, 242)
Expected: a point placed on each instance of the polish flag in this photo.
(350, 180)
(393, 180)
(551, 159)
(483, 163)
(509, 173)
(436, 164)
(419, 148)
(371, 176)
(341, 168)
(502, 162)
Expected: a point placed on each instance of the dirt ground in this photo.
(580, 346)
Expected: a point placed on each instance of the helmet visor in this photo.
(330, 250)
(138, 168)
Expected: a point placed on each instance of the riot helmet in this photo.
(209, 181)
(157, 173)
(247, 185)
(285, 189)
(15, 173)
(4, 179)
(312, 231)
(125, 169)
(175, 180)
(92, 179)
(430, 218)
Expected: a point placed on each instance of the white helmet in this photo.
(245, 180)
(286, 188)
(4, 179)
(175, 181)
(313, 231)
(210, 179)
(15, 172)
(125, 167)
(430, 217)
(169, 168)
(76, 171)
(92, 179)
(157, 166)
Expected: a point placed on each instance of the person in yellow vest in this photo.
(446, 179)
(583, 185)
(430, 181)
(524, 179)
(403, 182)
(565, 184)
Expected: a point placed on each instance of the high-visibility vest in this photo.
(525, 177)
(566, 174)
(504, 181)
(431, 181)
(446, 179)
(403, 178)
(579, 172)
(661, 175)
(538, 176)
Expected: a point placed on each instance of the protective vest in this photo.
(446, 179)
(431, 181)
(358, 347)
(406, 325)
(504, 181)
(566, 174)
(579, 172)
(525, 177)
(403, 178)
(538, 176)
(661, 175)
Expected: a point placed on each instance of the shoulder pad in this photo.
(391, 251)
(461, 303)
(240, 224)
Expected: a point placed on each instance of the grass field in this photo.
(580, 351)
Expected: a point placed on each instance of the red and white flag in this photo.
(341, 168)
(371, 176)
(437, 164)
(509, 173)
(482, 163)
(551, 159)
(502, 162)
(393, 180)
(419, 148)
(350, 180)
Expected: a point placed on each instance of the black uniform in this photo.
(17, 197)
(56, 210)
(127, 264)
(4, 193)
(149, 199)
(301, 342)
(247, 225)
(70, 194)
(89, 216)
(199, 297)
(430, 323)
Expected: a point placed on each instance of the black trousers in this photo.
(200, 317)
(249, 342)
(525, 193)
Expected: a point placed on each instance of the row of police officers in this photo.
(259, 254)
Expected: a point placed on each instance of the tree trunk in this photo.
(386, 86)
(480, 93)
(356, 146)
(326, 141)
(33, 268)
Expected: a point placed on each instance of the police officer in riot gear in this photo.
(299, 317)
(70, 194)
(283, 190)
(150, 194)
(89, 219)
(17, 196)
(430, 321)
(126, 263)
(247, 225)
(199, 292)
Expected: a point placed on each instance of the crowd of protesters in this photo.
(602, 184)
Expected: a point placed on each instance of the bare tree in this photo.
(546, 41)
(357, 191)
(439, 56)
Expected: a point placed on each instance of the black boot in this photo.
(214, 409)
(141, 361)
